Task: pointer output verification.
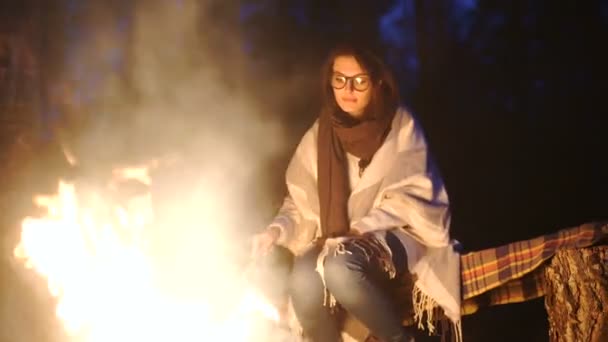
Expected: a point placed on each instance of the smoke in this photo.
(182, 96)
(191, 109)
(166, 83)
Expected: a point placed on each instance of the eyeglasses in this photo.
(359, 82)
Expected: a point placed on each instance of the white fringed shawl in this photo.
(400, 191)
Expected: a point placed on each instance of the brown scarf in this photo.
(338, 132)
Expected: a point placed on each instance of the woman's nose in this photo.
(349, 86)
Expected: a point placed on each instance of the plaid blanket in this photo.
(515, 272)
(507, 274)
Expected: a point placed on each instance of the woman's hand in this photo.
(353, 232)
(263, 242)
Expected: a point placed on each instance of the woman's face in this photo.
(351, 84)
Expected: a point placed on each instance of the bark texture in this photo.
(577, 295)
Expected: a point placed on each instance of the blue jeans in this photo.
(360, 287)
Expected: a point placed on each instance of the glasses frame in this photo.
(351, 80)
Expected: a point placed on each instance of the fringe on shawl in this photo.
(371, 248)
(425, 307)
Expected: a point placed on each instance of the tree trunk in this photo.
(577, 295)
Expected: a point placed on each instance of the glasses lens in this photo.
(338, 81)
(361, 83)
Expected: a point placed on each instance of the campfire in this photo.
(93, 251)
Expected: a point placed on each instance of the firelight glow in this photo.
(95, 259)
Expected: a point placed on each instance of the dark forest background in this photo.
(511, 95)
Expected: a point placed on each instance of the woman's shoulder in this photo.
(306, 151)
(308, 142)
(408, 130)
(404, 115)
(404, 120)
(311, 134)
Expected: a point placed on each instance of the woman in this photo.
(365, 204)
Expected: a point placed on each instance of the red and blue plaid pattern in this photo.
(515, 272)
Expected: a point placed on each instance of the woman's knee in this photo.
(305, 283)
(342, 271)
(301, 275)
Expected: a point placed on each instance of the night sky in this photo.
(510, 94)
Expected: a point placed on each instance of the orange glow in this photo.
(95, 259)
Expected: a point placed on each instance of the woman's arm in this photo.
(286, 220)
(415, 198)
(417, 205)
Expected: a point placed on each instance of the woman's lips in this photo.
(347, 99)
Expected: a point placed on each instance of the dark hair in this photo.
(385, 93)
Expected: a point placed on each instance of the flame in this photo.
(68, 154)
(140, 173)
(95, 260)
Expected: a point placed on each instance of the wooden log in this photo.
(576, 297)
